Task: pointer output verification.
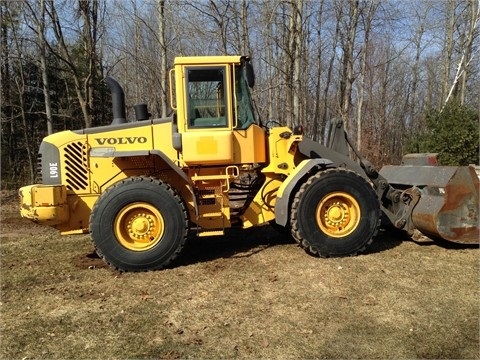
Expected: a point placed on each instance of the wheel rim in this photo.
(139, 226)
(338, 214)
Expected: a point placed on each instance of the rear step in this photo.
(204, 233)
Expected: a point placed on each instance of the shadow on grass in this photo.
(444, 244)
(236, 243)
(385, 240)
(390, 238)
(245, 243)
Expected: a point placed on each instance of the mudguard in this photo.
(284, 193)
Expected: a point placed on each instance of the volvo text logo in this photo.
(122, 140)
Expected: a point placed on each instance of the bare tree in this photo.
(293, 63)
(318, 125)
(163, 56)
(40, 22)
(471, 16)
(329, 76)
(22, 110)
(450, 19)
(84, 81)
(245, 44)
(367, 17)
(418, 43)
(348, 33)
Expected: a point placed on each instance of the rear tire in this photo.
(139, 224)
(335, 213)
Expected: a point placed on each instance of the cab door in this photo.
(208, 134)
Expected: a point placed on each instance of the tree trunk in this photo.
(8, 131)
(20, 84)
(368, 18)
(326, 90)
(84, 84)
(43, 66)
(470, 35)
(448, 47)
(316, 117)
(293, 61)
(163, 57)
(245, 36)
(348, 59)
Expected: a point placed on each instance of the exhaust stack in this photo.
(118, 101)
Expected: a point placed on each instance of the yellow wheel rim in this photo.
(139, 226)
(338, 214)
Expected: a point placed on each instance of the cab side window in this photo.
(245, 114)
(206, 100)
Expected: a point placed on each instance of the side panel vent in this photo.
(38, 175)
(76, 173)
(206, 197)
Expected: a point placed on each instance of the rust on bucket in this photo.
(449, 203)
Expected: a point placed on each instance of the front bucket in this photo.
(449, 203)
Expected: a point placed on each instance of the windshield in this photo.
(244, 113)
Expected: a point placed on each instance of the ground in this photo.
(248, 295)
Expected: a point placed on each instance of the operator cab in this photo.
(213, 106)
(208, 102)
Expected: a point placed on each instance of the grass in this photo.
(249, 295)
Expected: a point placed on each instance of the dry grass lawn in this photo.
(247, 295)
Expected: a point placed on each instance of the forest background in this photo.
(403, 75)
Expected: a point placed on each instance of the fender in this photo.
(179, 172)
(284, 193)
(110, 152)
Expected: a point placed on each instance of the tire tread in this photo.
(303, 243)
(153, 181)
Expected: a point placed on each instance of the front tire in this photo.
(335, 213)
(139, 224)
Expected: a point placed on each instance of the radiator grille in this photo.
(76, 173)
(38, 175)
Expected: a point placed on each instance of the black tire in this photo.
(139, 224)
(335, 213)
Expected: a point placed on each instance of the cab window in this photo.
(206, 98)
(244, 111)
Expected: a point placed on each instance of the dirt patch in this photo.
(253, 294)
(89, 261)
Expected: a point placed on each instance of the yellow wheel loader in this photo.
(141, 187)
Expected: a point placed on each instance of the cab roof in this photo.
(207, 60)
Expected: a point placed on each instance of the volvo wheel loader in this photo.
(141, 187)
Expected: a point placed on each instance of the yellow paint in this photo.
(295, 170)
(139, 226)
(202, 148)
(181, 66)
(206, 60)
(211, 158)
(338, 214)
(207, 145)
(282, 151)
(262, 209)
(61, 138)
(212, 184)
(249, 145)
(80, 208)
(44, 204)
